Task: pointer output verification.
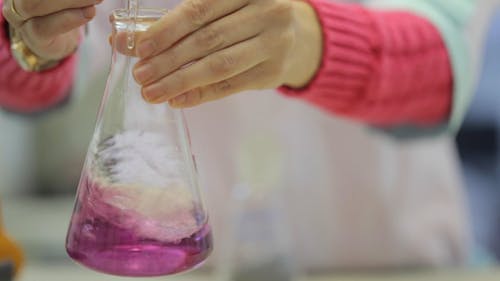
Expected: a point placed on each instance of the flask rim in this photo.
(123, 14)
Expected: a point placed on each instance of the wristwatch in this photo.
(28, 60)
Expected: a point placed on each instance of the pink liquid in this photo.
(99, 238)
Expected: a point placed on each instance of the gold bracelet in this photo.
(28, 60)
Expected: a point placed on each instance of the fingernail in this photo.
(152, 93)
(143, 73)
(145, 48)
(88, 12)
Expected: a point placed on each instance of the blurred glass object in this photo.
(478, 144)
(259, 245)
(258, 242)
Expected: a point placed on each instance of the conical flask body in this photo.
(138, 210)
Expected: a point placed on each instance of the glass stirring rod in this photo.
(133, 8)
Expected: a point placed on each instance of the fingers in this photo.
(11, 14)
(47, 27)
(211, 69)
(214, 37)
(35, 8)
(189, 16)
(218, 90)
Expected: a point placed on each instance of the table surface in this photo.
(55, 214)
(56, 272)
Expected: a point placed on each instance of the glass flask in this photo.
(138, 210)
(258, 245)
(258, 239)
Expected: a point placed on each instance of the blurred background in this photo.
(41, 160)
(478, 145)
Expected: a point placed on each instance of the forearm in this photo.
(30, 92)
(383, 68)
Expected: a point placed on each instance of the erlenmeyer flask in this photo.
(258, 244)
(258, 240)
(138, 210)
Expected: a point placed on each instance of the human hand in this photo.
(49, 28)
(204, 50)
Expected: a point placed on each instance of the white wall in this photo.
(16, 153)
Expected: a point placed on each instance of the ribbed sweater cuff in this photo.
(347, 59)
(383, 68)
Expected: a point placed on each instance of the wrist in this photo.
(306, 55)
(25, 57)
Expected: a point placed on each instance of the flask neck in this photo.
(123, 107)
(123, 57)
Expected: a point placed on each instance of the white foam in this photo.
(145, 158)
(147, 177)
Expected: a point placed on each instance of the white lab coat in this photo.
(359, 198)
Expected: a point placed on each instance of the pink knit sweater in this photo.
(28, 92)
(383, 68)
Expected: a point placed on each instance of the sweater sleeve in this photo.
(384, 68)
(31, 92)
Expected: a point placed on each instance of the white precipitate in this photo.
(144, 175)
